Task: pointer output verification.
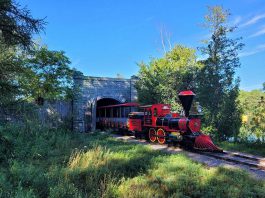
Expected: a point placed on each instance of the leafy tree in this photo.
(161, 79)
(252, 108)
(249, 99)
(17, 25)
(10, 68)
(16, 29)
(258, 120)
(48, 75)
(217, 87)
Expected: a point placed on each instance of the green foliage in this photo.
(42, 73)
(56, 163)
(16, 29)
(161, 79)
(217, 87)
(17, 25)
(246, 147)
(177, 176)
(28, 71)
(258, 120)
(249, 99)
(6, 148)
(10, 68)
(48, 74)
(253, 108)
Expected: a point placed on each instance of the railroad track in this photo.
(235, 157)
(239, 158)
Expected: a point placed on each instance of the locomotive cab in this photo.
(155, 111)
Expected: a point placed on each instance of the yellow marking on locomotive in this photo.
(175, 133)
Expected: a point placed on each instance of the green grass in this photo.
(39, 162)
(251, 148)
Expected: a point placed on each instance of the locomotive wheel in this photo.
(161, 136)
(152, 135)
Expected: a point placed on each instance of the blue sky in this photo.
(106, 38)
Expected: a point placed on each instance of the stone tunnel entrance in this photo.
(105, 102)
(93, 92)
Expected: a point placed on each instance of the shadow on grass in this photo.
(177, 176)
(136, 171)
(57, 163)
(100, 169)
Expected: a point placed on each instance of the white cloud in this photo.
(258, 33)
(258, 49)
(248, 53)
(253, 20)
(261, 46)
(236, 20)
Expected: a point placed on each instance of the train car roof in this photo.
(153, 105)
(129, 104)
(145, 106)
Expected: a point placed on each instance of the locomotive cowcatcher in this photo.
(157, 123)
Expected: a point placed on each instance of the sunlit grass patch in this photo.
(177, 176)
(95, 157)
(59, 163)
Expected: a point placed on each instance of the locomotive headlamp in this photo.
(199, 108)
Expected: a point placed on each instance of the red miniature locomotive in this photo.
(157, 123)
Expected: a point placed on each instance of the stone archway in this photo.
(101, 101)
(94, 89)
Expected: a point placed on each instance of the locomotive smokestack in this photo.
(186, 98)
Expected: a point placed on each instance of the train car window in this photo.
(122, 112)
(155, 112)
(134, 109)
(111, 112)
(117, 112)
(127, 111)
(149, 113)
(108, 112)
(114, 112)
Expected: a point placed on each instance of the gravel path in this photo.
(207, 160)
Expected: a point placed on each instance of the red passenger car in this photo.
(115, 116)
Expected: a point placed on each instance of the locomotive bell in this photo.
(186, 98)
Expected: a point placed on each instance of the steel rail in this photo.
(235, 157)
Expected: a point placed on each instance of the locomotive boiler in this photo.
(158, 124)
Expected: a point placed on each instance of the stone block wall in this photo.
(91, 89)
